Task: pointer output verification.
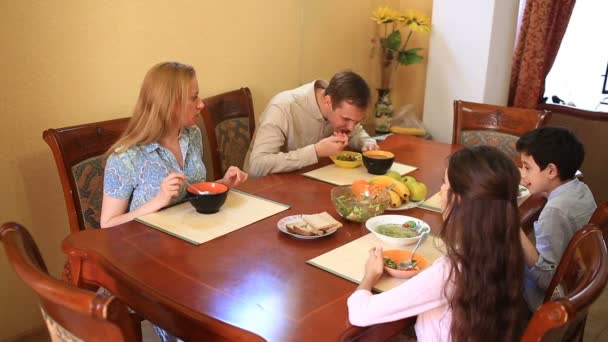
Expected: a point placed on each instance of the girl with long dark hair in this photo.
(474, 292)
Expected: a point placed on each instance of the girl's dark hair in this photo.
(481, 233)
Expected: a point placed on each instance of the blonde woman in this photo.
(160, 149)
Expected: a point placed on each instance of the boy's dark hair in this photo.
(350, 87)
(553, 145)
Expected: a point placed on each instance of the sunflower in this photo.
(416, 21)
(384, 15)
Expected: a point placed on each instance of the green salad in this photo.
(357, 211)
(390, 263)
(347, 157)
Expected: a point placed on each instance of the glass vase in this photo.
(383, 111)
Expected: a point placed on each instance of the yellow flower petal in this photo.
(417, 21)
(384, 15)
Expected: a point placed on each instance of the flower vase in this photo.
(383, 111)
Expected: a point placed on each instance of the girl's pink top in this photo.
(422, 296)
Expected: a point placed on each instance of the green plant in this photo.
(393, 49)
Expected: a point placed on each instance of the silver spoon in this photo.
(188, 184)
(407, 264)
(385, 191)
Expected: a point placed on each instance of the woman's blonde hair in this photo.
(165, 87)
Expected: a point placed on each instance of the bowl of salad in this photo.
(397, 230)
(393, 258)
(347, 159)
(360, 206)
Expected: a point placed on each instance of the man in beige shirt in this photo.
(316, 120)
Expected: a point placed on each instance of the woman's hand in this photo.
(233, 177)
(115, 211)
(373, 269)
(169, 188)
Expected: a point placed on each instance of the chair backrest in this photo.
(600, 218)
(79, 155)
(582, 274)
(229, 122)
(485, 124)
(71, 313)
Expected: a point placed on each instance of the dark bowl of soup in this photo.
(378, 162)
(211, 201)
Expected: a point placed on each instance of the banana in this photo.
(400, 188)
(395, 199)
(408, 130)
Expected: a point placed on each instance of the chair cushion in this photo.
(58, 332)
(88, 176)
(504, 142)
(233, 142)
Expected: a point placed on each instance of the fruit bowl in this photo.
(358, 207)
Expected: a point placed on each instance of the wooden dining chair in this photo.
(71, 313)
(229, 122)
(600, 218)
(579, 280)
(79, 155)
(485, 124)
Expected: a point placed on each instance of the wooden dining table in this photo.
(253, 283)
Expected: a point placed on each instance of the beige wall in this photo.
(68, 62)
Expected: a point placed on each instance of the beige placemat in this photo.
(348, 261)
(241, 209)
(433, 203)
(341, 176)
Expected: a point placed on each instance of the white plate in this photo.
(404, 206)
(282, 224)
(523, 191)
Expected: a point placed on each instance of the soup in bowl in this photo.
(213, 197)
(397, 230)
(378, 162)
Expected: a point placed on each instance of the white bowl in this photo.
(377, 221)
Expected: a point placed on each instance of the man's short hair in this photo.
(553, 145)
(347, 86)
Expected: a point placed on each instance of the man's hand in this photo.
(331, 145)
(370, 147)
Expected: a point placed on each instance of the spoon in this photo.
(385, 191)
(407, 264)
(188, 184)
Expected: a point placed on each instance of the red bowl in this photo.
(399, 255)
(208, 203)
(212, 187)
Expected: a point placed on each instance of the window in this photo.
(578, 75)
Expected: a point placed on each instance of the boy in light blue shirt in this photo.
(550, 157)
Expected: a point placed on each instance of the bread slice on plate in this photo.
(322, 221)
(303, 228)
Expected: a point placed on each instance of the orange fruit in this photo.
(360, 188)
